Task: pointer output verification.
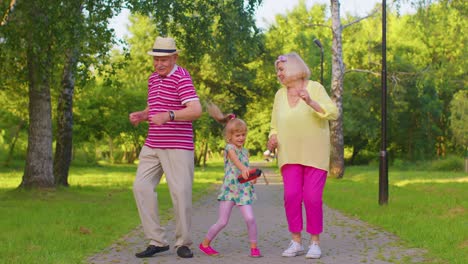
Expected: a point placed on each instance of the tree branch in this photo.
(393, 77)
(375, 11)
(392, 74)
(5, 17)
(317, 25)
(363, 71)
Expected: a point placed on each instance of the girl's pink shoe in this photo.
(208, 250)
(255, 253)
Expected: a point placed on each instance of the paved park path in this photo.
(344, 240)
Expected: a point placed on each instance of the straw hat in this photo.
(163, 47)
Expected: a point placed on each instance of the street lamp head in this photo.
(318, 43)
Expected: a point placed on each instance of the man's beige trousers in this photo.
(178, 167)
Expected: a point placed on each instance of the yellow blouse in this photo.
(303, 134)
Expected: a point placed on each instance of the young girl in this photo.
(236, 162)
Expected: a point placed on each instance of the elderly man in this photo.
(172, 106)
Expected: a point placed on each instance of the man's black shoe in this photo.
(184, 252)
(150, 251)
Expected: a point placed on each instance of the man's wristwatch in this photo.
(171, 115)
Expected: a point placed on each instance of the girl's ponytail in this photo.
(215, 112)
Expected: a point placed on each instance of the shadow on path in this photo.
(344, 240)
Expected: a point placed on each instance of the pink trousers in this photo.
(303, 184)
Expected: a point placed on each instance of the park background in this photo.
(68, 84)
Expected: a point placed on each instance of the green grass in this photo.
(67, 225)
(426, 209)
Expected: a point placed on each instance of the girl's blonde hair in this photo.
(294, 67)
(231, 122)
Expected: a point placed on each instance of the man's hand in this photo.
(160, 118)
(137, 117)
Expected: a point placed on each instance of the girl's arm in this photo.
(233, 157)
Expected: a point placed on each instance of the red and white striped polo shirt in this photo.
(170, 93)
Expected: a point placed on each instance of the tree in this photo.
(47, 30)
(36, 30)
(63, 146)
(338, 70)
(361, 99)
(85, 33)
(443, 56)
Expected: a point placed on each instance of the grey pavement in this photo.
(344, 240)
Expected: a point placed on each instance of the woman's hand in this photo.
(304, 95)
(272, 143)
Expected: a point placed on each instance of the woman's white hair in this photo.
(294, 66)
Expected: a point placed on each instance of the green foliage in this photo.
(103, 105)
(442, 57)
(295, 32)
(36, 39)
(206, 27)
(213, 48)
(361, 97)
(420, 82)
(231, 62)
(459, 117)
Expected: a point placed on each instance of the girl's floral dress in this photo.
(232, 189)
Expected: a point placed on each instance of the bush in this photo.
(365, 157)
(402, 164)
(449, 163)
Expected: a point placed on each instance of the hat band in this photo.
(164, 50)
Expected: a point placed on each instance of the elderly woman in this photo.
(300, 133)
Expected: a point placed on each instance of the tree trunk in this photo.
(64, 141)
(336, 127)
(111, 150)
(63, 147)
(38, 172)
(205, 153)
(136, 147)
(13, 143)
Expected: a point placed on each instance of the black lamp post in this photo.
(383, 170)
(317, 42)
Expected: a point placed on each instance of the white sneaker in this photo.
(314, 251)
(294, 249)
